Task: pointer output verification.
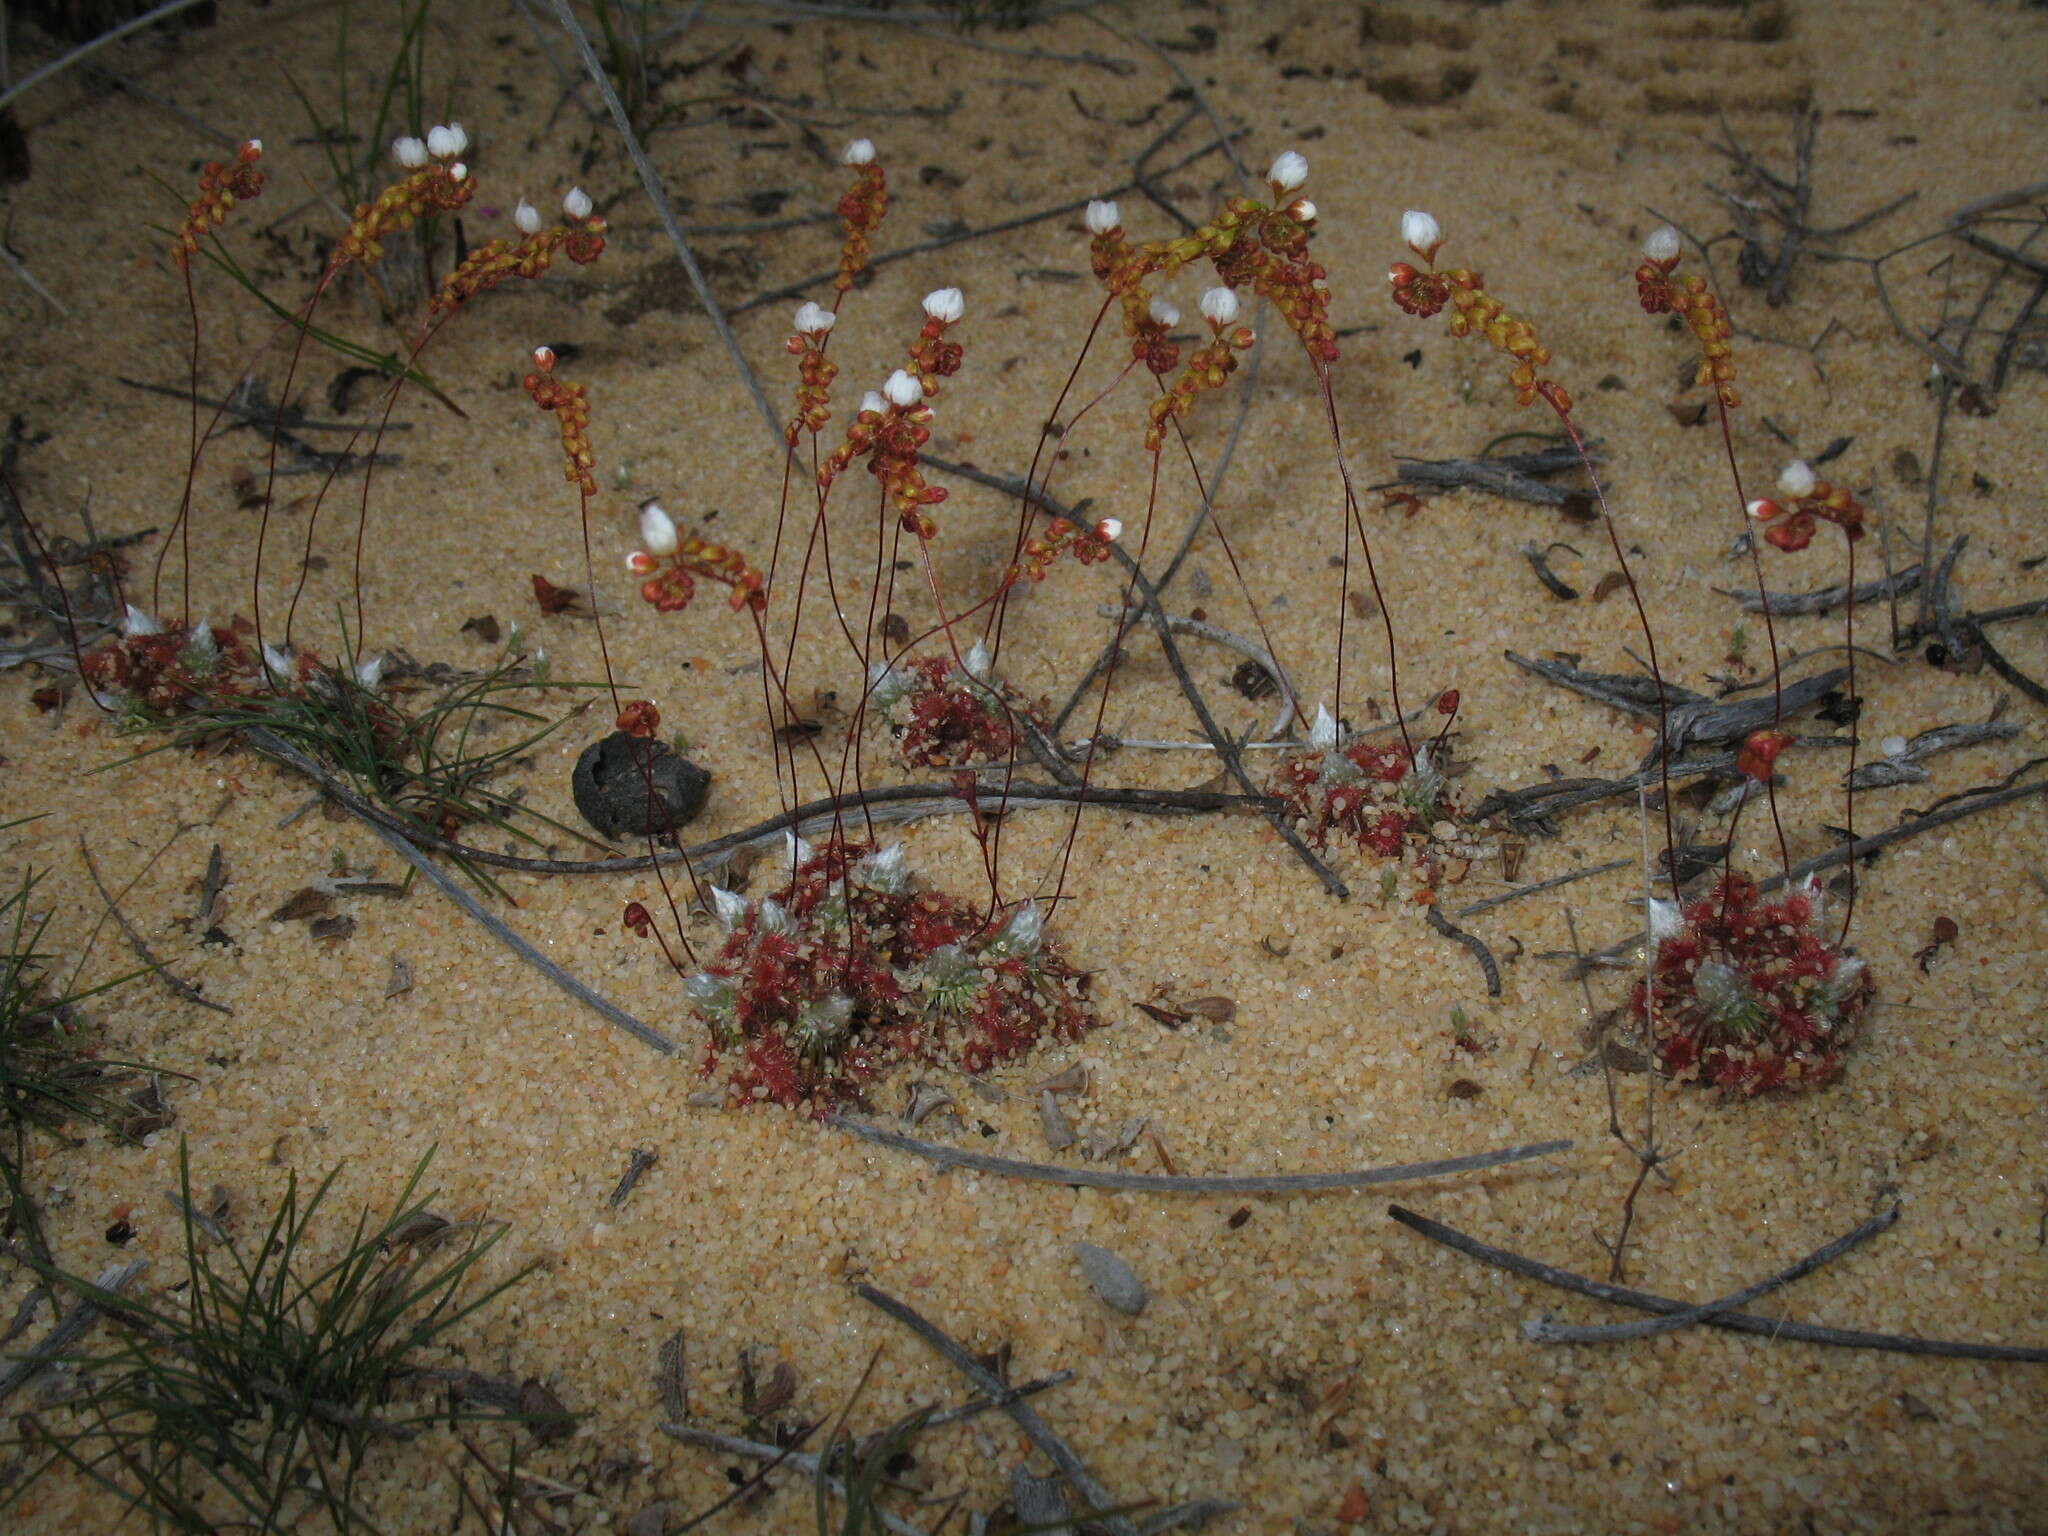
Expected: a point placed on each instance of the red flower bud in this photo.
(638, 920)
(641, 719)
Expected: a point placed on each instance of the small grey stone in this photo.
(1113, 1280)
(1038, 1501)
(611, 782)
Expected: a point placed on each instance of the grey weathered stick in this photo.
(1542, 1331)
(1021, 1414)
(1181, 1184)
(1825, 599)
(525, 951)
(68, 1328)
(1736, 1322)
(1543, 885)
(86, 50)
(1905, 768)
(1512, 475)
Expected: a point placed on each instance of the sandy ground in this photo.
(1312, 1360)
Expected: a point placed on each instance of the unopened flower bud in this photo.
(458, 172)
(945, 305)
(859, 152)
(814, 319)
(577, 203)
(1302, 211)
(544, 359)
(527, 217)
(657, 529)
(1763, 509)
(1662, 244)
(1289, 171)
(873, 404)
(1109, 530)
(1219, 306)
(1165, 312)
(1421, 233)
(446, 143)
(903, 391)
(1796, 479)
(1102, 216)
(251, 149)
(409, 152)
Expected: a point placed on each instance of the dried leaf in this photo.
(1220, 1010)
(302, 904)
(485, 627)
(337, 929)
(1073, 1080)
(551, 1418)
(1059, 1134)
(401, 978)
(551, 598)
(1279, 946)
(1608, 585)
(672, 1380)
(1465, 1088)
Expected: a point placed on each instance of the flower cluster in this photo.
(1745, 995)
(1692, 300)
(861, 210)
(1250, 244)
(946, 714)
(569, 404)
(815, 371)
(671, 560)
(579, 236)
(1089, 546)
(1207, 369)
(893, 426)
(849, 968)
(221, 186)
(1424, 293)
(436, 181)
(1383, 798)
(1806, 500)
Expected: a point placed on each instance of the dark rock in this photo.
(612, 779)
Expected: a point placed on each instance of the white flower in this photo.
(1102, 216)
(657, 529)
(1667, 920)
(1289, 171)
(576, 203)
(903, 391)
(1323, 734)
(458, 172)
(1165, 312)
(409, 152)
(1893, 746)
(1662, 244)
(277, 661)
(1421, 233)
(1796, 479)
(370, 673)
(729, 907)
(814, 319)
(527, 217)
(945, 304)
(1219, 305)
(136, 622)
(254, 147)
(859, 152)
(1110, 529)
(441, 143)
(874, 403)
(977, 661)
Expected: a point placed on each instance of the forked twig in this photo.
(1736, 1322)
(1543, 1331)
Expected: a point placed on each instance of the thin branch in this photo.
(1180, 1184)
(1488, 966)
(179, 987)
